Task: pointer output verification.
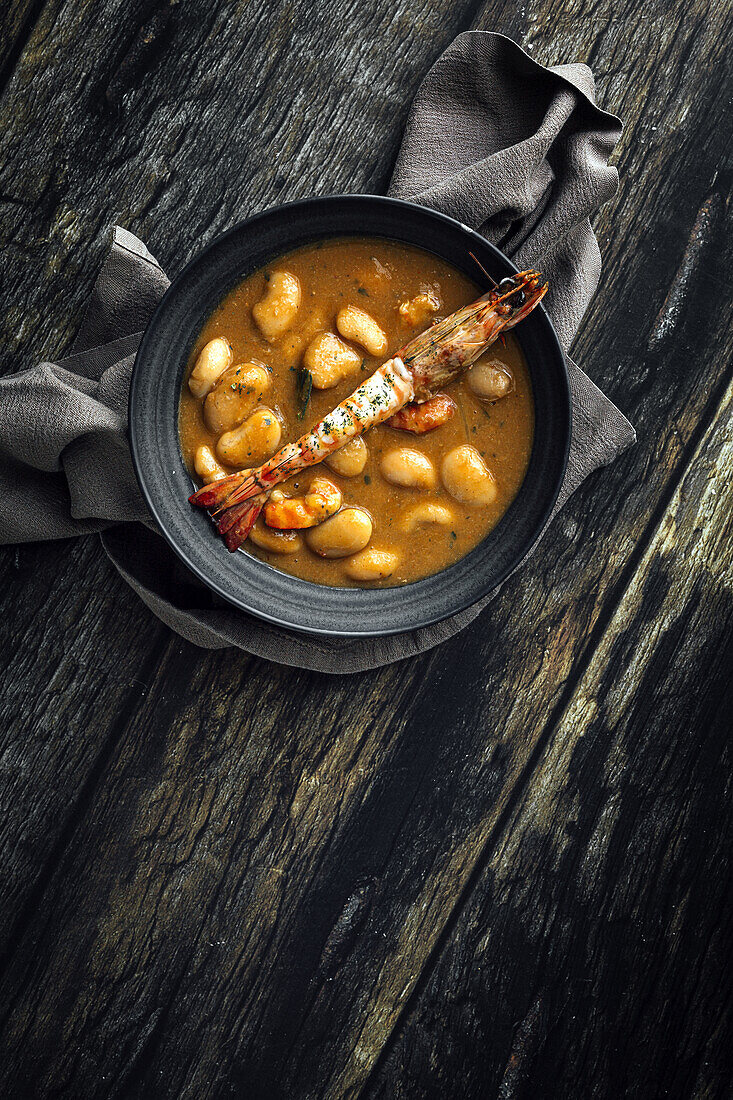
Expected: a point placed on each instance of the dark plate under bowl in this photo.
(245, 581)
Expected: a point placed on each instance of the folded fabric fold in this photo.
(512, 149)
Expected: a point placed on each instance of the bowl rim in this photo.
(462, 603)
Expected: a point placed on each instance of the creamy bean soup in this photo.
(292, 341)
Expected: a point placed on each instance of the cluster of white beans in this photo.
(249, 432)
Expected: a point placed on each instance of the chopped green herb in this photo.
(303, 388)
(453, 535)
(367, 479)
(363, 290)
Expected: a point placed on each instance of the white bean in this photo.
(235, 395)
(253, 441)
(206, 466)
(467, 477)
(351, 459)
(490, 379)
(344, 534)
(409, 468)
(427, 511)
(357, 325)
(276, 312)
(371, 565)
(277, 542)
(330, 360)
(213, 360)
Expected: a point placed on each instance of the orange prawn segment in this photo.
(416, 310)
(423, 418)
(322, 500)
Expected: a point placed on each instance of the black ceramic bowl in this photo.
(242, 579)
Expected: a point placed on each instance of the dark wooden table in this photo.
(497, 870)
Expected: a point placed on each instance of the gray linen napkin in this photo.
(494, 139)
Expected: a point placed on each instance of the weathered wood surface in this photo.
(633, 788)
(230, 878)
(19, 17)
(73, 165)
(68, 686)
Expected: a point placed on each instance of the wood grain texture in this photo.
(260, 863)
(18, 20)
(228, 108)
(79, 156)
(68, 684)
(593, 958)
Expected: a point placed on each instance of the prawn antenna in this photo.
(478, 263)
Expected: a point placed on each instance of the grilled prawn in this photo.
(412, 377)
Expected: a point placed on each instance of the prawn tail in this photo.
(234, 518)
(236, 523)
(215, 494)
